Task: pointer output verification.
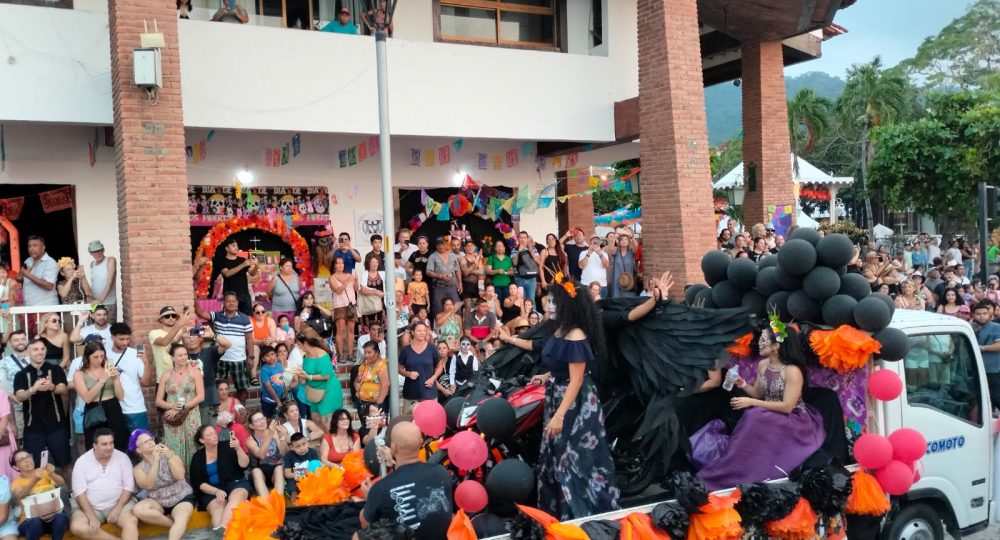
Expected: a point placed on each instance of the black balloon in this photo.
(778, 303)
(895, 344)
(807, 234)
(453, 411)
(766, 281)
(871, 314)
(767, 261)
(855, 286)
(787, 281)
(821, 283)
(692, 291)
(887, 300)
(371, 460)
(754, 303)
(797, 257)
(839, 310)
(510, 481)
(726, 295)
(714, 265)
(742, 273)
(834, 250)
(496, 419)
(803, 308)
(704, 299)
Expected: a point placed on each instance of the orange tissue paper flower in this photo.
(867, 497)
(355, 471)
(639, 526)
(844, 349)
(554, 530)
(257, 518)
(718, 519)
(323, 486)
(741, 347)
(461, 527)
(799, 524)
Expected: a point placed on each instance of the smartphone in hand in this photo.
(44, 461)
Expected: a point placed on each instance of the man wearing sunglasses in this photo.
(170, 331)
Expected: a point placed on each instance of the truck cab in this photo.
(945, 398)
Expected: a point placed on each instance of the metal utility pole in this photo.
(382, 20)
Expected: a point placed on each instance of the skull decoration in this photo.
(286, 204)
(217, 203)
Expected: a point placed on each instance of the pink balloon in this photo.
(430, 417)
(872, 451)
(885, 385)
(908, 445)
(471, 496)
(895, 478)
(467, 450)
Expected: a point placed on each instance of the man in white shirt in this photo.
(135, 371)
(95, 322)
(38, 276)
(404, 247)
(594, 265)
(103, 484)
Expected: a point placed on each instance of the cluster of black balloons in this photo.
(807, 281)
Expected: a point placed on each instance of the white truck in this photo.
(946, 399)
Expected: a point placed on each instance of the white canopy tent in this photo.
(807, 174)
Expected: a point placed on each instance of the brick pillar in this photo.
(580, 212)
(767, 170)
(150, 170)
(678, 225)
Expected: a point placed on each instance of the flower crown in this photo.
(778, 328)
(566, 284)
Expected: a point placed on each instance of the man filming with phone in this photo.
(40, 387)
(235, 268)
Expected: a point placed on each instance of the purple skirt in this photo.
(765, 445)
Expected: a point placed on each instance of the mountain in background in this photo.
(724, 102)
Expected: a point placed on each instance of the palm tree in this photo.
(808, 119)
(872, 96)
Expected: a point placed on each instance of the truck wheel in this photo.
(915, 522)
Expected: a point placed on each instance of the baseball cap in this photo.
(951, 264)
(93, 337)
(167, 310)
(344, 10)
(95, 245)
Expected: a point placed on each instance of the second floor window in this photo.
(508, 22)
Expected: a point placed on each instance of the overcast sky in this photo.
(892, 28)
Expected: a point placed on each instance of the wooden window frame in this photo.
(499, 7)
(58, 4)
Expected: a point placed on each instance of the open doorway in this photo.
(46, 210)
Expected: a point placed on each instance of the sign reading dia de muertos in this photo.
(209, 205)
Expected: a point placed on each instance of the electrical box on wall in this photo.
(146, 68)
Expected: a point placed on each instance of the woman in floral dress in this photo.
(576, 474)
(178, 395)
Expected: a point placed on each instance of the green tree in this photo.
(808, 119)
(932, 165)
(873, 96)
(965, 54)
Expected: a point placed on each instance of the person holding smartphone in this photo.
(235, 270)
(218, 474)
(40, 387)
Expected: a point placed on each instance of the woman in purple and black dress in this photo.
(777, 433)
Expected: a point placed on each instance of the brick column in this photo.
(580, 212)
(678, 225)
(150, 170)
(767, 170)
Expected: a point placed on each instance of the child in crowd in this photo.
(419, 315)
(297, 463)
(272, 380)
(285, 333)
(418, 292)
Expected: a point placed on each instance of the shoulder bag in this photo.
(369, 304)
(95, 416)
(42, 505)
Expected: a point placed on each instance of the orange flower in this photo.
(257, 518)
(867, 497)
(844, 349)
(461, 527)
(322, 487)
(355, 471)
(718, 519)
(799, 524)
(741, 347)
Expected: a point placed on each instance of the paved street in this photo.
(991, 533)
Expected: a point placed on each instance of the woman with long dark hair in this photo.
(778, 431)
(340, 440)
(554, 260)
(97, 383)
(576, 474)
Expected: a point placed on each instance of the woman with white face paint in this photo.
(778, 431)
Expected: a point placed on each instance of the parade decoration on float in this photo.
(280, 227)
